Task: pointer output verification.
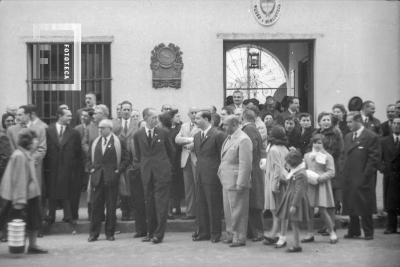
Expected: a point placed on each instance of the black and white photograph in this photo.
(200, 133)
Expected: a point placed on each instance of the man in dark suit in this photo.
(108, 160)
(368, 119)
(255, 229)
(154, 152)
(62, 166)
(387, 125)
(207, 147)
(361, 160)
(133, 201)
(391, 181)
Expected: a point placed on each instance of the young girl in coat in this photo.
(319, 191)
(295, 205)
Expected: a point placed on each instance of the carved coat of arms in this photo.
(166, 65)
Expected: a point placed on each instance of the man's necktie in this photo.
(366, 120)
(105, 141)
(126, 127)
(60, 135)
(202, 136)
(149, 137)
(354, 136)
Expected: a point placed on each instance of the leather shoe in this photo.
(156, 240)
(110, 238)
(294, 249)
(281, 245)
(36, 250)
(137, 235)
(270, 240)
(147, 238)
(349, 236)
(308, 240)
(215, 239)
(227, 241)
(195, 234)
(92, 238)
(389, 231)
(257, 239)
(333, 240)
(237, 244)
(369, 237)
(200, 238)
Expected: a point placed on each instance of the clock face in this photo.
(166, 56)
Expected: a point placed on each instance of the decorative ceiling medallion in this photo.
(266, 12)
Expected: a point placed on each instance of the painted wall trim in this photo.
(269, 36)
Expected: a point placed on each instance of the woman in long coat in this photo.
(275, 172)
(21, 190)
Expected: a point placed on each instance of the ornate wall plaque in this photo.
(266, 12)
(166, 65)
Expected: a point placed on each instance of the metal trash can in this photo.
(16, 236)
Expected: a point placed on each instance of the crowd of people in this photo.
(236, 165)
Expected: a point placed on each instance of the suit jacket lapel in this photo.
(227, 144)
(357, 142)
(65, 136)
(109, 146)
(53, 133)
(155, 136)
(143, 135)
(132, 127)
(206, 137)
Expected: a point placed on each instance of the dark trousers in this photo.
(103, 195)
(156, 203)
(138, 204)
(75, 198)
(209, 206)
(366, 223)
(391, 223)
(66, 205)
(255, 226)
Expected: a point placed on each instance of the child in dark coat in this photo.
(295, 205)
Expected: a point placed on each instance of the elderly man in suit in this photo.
(207, 147)
(361, 160)
(235, 175)
(62, 166)
(154, 153)
(108, 158)
(256, 201)
(237, 97)
(188, 162)
(390, 167)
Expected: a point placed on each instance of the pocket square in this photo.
(360, 147)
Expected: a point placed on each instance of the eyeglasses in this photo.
(9, 120)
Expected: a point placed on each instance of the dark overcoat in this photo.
(62, 162)
(391, 173)
(361, 160)
(256, 200)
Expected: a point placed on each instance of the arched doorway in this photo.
(255, 71)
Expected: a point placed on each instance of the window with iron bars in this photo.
(47, 86)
